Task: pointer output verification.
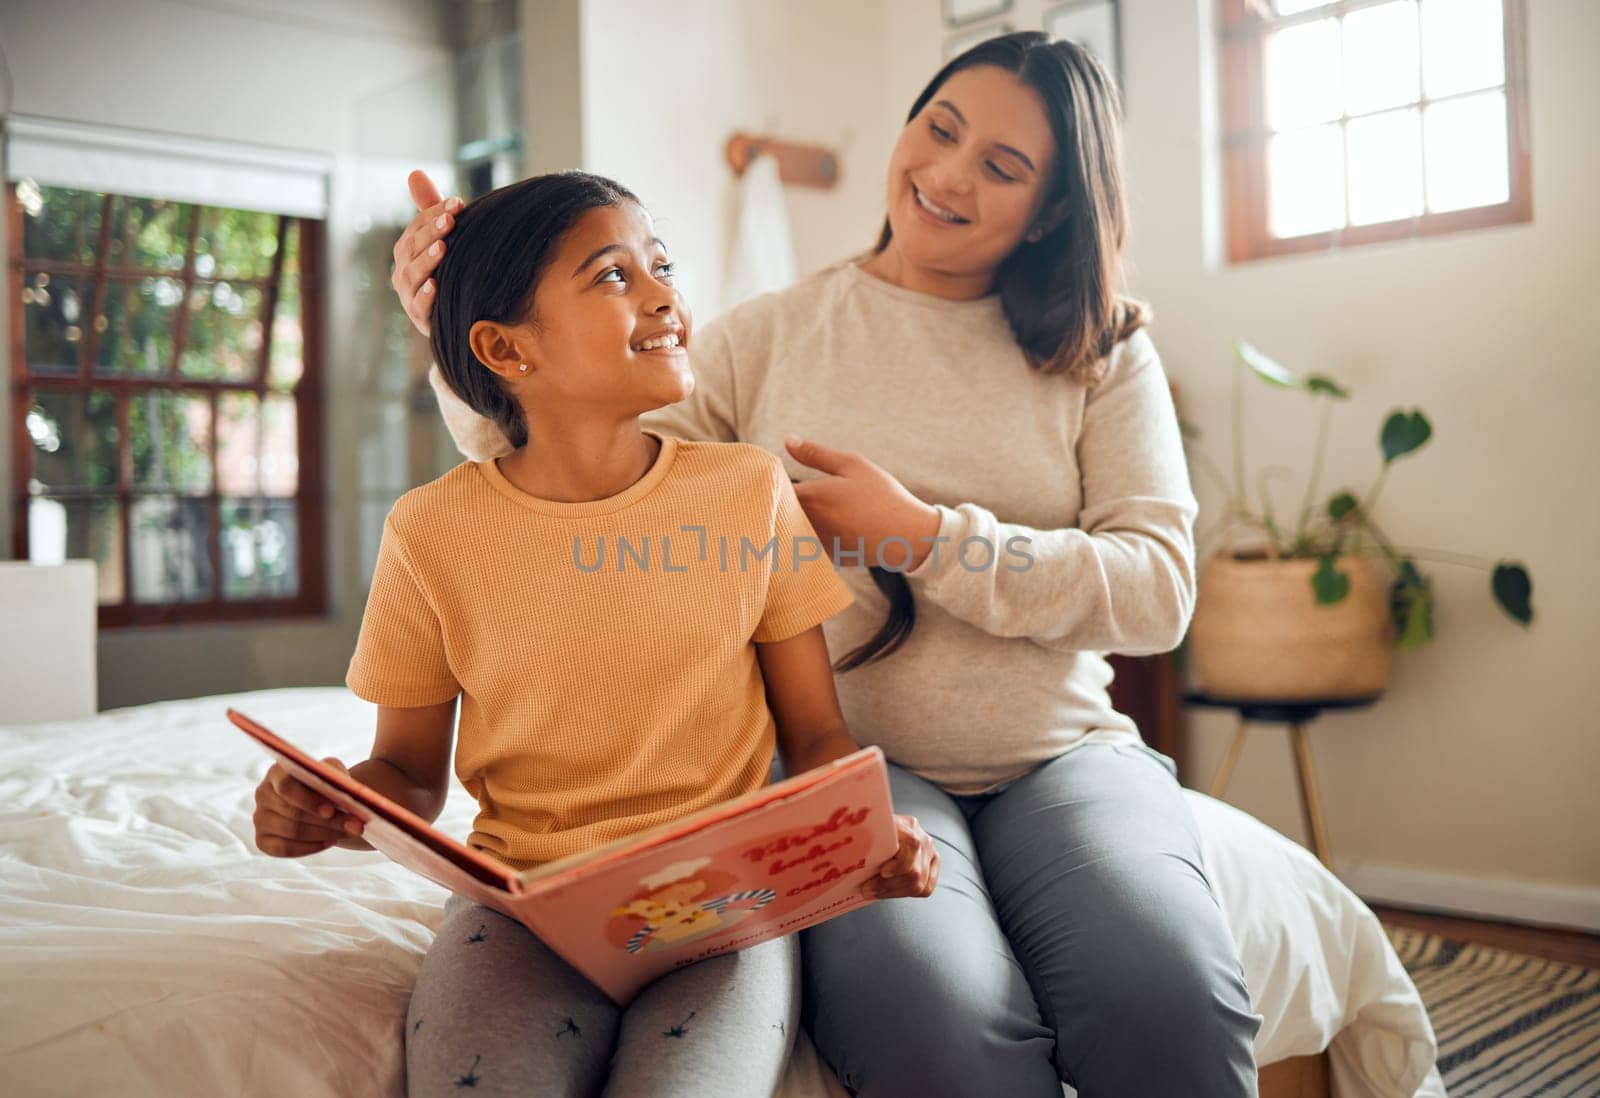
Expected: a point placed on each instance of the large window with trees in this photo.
(166, 402)
(1355, 121)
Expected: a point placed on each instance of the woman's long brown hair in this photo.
(1060, 294)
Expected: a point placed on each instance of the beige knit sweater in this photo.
(1004, 669)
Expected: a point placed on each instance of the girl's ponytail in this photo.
(896, 627)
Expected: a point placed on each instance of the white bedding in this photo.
(147, 948)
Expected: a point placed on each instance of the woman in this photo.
(1026, 507)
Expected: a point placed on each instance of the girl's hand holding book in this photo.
(914, 869)
(293, 820)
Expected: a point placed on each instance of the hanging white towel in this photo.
(763, 248)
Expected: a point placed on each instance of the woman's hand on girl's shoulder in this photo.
(420, 248)
(914, 869)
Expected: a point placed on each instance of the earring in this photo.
(523, 367)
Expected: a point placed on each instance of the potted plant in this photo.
(1300, 610)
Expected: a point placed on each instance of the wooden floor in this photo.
(1574, 947)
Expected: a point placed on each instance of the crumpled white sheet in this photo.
(1321, 970)
(147, 948)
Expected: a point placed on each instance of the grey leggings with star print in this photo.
(496, 1013)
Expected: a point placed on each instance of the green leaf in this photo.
(1317, 383)
(1265, 368)
(1403, 433)
(1513, 590)
(1341, 505)
(1328, 583)
(1411, 607)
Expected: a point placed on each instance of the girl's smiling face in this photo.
(970, 173)
(608, 331)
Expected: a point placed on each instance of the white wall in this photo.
(1472, 783)
(808, 68)
(299, 74)
(1481, 760)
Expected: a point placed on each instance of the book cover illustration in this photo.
(731, 876)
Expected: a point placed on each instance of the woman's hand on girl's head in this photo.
(420, 248)
(914, 869)
(293, 820)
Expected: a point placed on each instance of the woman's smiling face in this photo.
(970, 173)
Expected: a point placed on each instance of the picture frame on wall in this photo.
(958, 13)
(958, 44)
(1092, 24)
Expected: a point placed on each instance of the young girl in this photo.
(622, 658)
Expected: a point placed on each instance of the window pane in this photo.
(224, 339)
(168, 543)
(1462, 46)
(74, 440)
(291, 254)
(59, 224)
(54, 311)
(260, 549)
(280, 453)
(149, 234)
(238, 444)
(1466, 145)
(1302, 75)
(79, 529)
(1380, 57)
(1385, 167)
(257, 445)
(235, 244)
(1305, 178)
(288, 341)
(135, 326)
(169, 436)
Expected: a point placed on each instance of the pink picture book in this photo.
(739, 873)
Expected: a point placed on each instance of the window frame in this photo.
(1241, 33)
(310, 496)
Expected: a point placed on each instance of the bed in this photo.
(146, 948)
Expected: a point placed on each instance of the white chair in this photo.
(47, 641)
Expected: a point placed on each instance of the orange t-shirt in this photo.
(604, 649)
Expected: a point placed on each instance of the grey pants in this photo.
(1073, 938)
(496, 1013)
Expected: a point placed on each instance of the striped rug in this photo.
(1508, 1025)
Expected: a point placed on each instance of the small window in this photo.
(166, 384)
(1354, 121)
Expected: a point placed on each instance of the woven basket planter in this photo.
(1259, 633)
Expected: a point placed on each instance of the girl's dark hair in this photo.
(895, 628)
(1060, 293)
(496, 254)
